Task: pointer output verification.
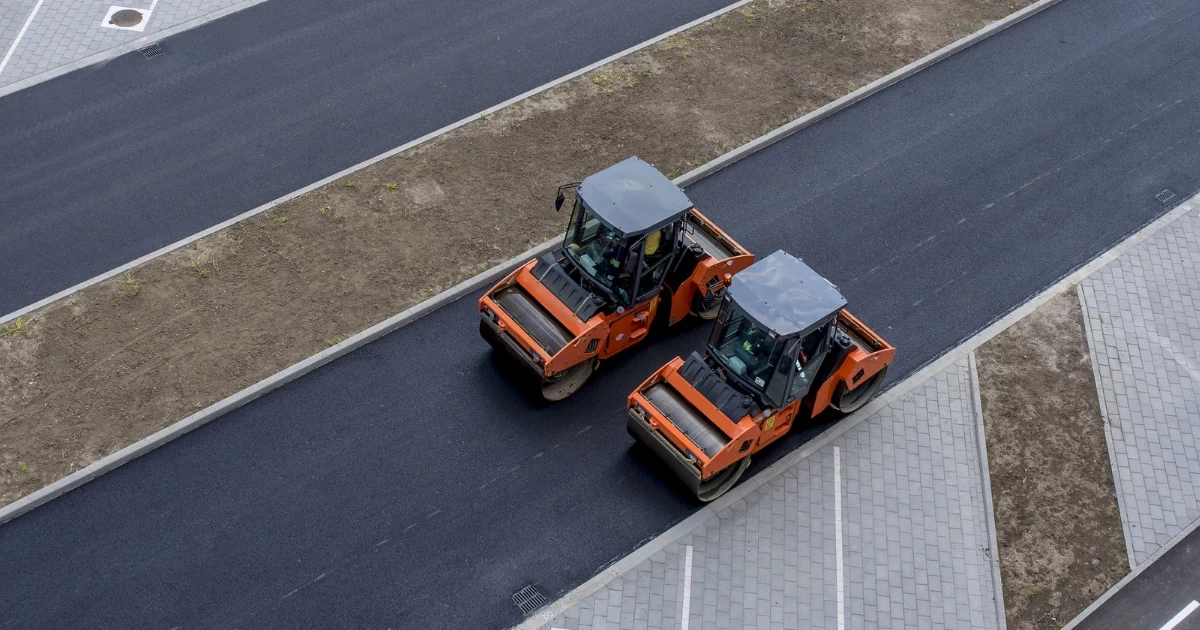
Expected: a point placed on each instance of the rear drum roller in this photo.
(720, 483)
(561, 385)
(707, 307)
(849, 401)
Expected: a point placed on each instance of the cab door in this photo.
(648, 262)
(803, 358)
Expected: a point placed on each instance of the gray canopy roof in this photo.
(785, 295)
(632, 197)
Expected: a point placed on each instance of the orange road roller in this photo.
(782, 350)
(636, 252)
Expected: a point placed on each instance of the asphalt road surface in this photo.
(1154, 598)
(111, 162)
(410, 485)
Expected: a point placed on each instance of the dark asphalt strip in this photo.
(409, 484)
(108, 163)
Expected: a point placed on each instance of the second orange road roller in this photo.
(636, 253)
(782, 350)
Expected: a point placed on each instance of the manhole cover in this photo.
(1165, 196)
(152, 51)
(529, 599)
(126, 18)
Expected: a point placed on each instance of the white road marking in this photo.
(20, 34)
(687, 589)
(1177, 619)
(837, 535)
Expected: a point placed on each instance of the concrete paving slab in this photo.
(1144, 334)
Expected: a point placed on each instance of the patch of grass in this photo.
(281, 220)
(390, 186)
(449, 164)
(22, 467)
(130, 285)
(18, 326)
(333, 341)
(609, 81)
(350, 183)
(204, 268)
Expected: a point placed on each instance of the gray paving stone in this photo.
(914, 535)
(1143, 331)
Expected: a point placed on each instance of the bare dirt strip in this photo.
(120, 360)
(1057, 521)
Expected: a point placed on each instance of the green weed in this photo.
(130, 285)
(18, 326)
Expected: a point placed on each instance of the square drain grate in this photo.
(529, 599)
(1165, 196)
(152, 51)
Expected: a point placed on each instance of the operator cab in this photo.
(625, 229)
(775, 329)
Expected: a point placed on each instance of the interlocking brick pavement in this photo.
(914, 529)
(1143, 315)
(65, 31)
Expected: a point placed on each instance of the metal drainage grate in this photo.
(152, 51)
(529, 599)
(1165, 196)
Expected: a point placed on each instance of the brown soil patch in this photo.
(128, 357)
(1057, 521)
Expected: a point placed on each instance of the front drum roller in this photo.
(848, 401)
(562, 384)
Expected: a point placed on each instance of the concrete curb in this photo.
(1132, 575)
(115, 460)
(368, 162)
(1108, 438)
(989, 512)
(966, 348)
(117, 51)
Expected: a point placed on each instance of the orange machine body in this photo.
(606, 333)
(749, 433)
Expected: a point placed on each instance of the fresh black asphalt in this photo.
(409, 484)
(113, 161)
(1155, 596)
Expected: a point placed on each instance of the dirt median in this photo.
(1057, 521)
(101, 369)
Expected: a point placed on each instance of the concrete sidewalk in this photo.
(886, 526)
(1143, 319)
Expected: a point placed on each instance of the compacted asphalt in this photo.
(111, 162)
(410, 485)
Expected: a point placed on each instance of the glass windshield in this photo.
(747, 350)
(598, 249)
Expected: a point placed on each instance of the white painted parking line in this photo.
(687, 589)
(13, 48)
(1177, 619)
(837, 536)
